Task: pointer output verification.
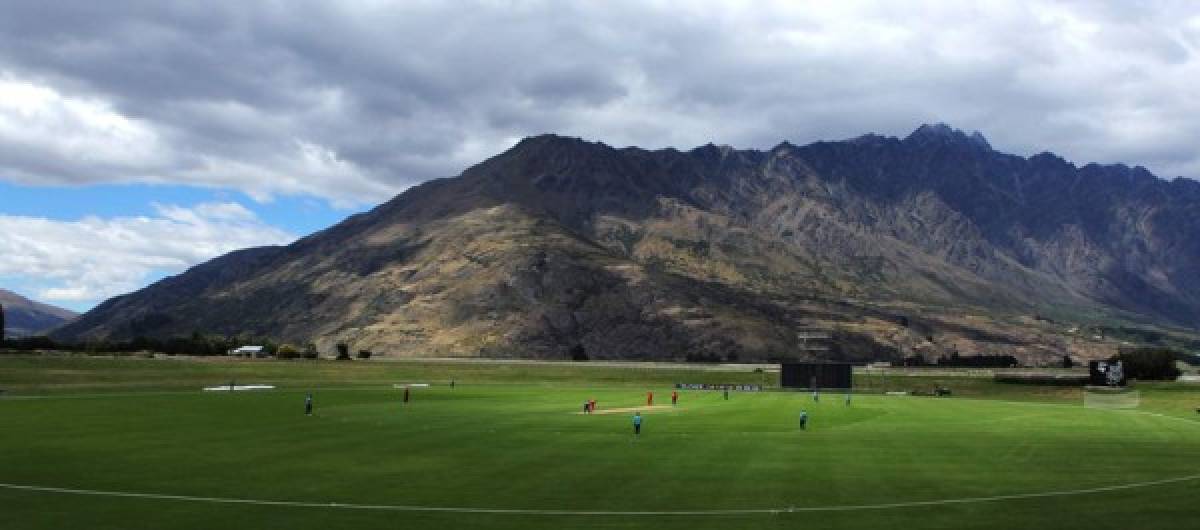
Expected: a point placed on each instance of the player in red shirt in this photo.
(592, 405)
(674, 397)
(649, 399)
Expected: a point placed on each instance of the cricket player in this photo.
(308, 404)
(847, 398)
(637, 423)
(592, 405)
(406, 394)
(649, 399)
(674, 397)
(816, 396)
(587, 407)
(726, 394)
(803, 420)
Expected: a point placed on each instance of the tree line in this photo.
(196, 344)
(955, 360)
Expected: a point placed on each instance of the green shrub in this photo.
(287, 351)
(310, 351)
(578, 353)
(1150, 364)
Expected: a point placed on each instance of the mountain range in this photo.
(24, 317)
(928, 245)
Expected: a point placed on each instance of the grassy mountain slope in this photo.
(927, 245)
(23, 317)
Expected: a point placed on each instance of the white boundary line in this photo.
(530, 511)
(1168, 417)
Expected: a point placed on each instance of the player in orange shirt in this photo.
(649, 399)
(674, 397)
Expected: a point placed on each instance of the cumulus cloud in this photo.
(94, 258)
(47, 137)
(355, 101)
(44, 134)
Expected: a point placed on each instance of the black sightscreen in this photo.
(816, 375)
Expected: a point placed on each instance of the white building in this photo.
(248, 351)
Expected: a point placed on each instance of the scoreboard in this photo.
(816, 375)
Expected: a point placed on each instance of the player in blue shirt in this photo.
(637, 423)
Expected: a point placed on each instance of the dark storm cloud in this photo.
(355, 101)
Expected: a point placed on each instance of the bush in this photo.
(911, 360)
(1150, 364)
(287, 351)
(977, 361)
(578, 353)
(1041, 378)
(692, 357)
(310, 351)
(343, 351)
(364, 354)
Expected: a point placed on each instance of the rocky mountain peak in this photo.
(549, 143)
(943, 135)
(1049, 161)
(547, 156)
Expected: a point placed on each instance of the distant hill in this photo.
(929, 245)
(23, 317)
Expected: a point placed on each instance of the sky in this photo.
(138, 138)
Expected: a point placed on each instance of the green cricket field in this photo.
(135, 443)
